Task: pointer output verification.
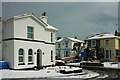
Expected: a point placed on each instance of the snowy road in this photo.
(44, 74)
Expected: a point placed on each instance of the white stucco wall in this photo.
(18, 29)
(8, 50)
(45, 48)
(8, 29)
(8, 47)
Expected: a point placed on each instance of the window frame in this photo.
(106, 54)
(117, 52)
(21, 56)
(66, 45)
(109, 54)
(51, 37)
(89, 43)
(31, 33)
(30, 55)
(67, 53)
(94, 43)
(108, 42)
(59, 54)
(51, 55)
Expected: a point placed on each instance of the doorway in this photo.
(39, 57)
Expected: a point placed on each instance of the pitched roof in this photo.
(47, 26)
(72, 39)
(59, 40)
(51, 27)
(76, 40)
(102, 36)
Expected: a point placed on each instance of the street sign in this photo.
(83, 54)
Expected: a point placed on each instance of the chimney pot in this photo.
(44, 17)
(44, 14)
(58, 38)
(75, 37)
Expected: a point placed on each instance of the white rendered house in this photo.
(28, 41)
(64, 47)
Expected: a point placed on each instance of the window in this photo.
(107, 54)
(58, 54)
(107, 42)
(66, 45)
(66, 54)
(98, 43)
(117, 53)
(21, 56)
(30, 55)
(110, 54)
(51, 37)
(93, 43)
(51, 55)
(30, 32)
(58, 45)
(89, 43)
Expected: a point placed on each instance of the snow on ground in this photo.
(110, 65)
(76, 64)
(103, 76)
(44, 73)
(88, 75)
(106, 64)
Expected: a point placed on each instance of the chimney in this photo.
(116, 33)
(75, 37)
(58, 38)
(44, 17)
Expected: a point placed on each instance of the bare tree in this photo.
(99, 53)
(88, 54)
(77, 48)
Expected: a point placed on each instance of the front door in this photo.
(39, 57)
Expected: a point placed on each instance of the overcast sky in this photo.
(0, 9)
(81, 19)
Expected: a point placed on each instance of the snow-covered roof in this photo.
(75, 40)
(72, 39)
(102, 36)
(46, 25)
(59, 40)
(51, 27)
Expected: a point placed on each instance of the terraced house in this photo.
(109, 42)
(28, 41)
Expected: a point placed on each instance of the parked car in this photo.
(59, 63)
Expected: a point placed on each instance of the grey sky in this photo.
(0, 9)
(60, 0)
(80, 19)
